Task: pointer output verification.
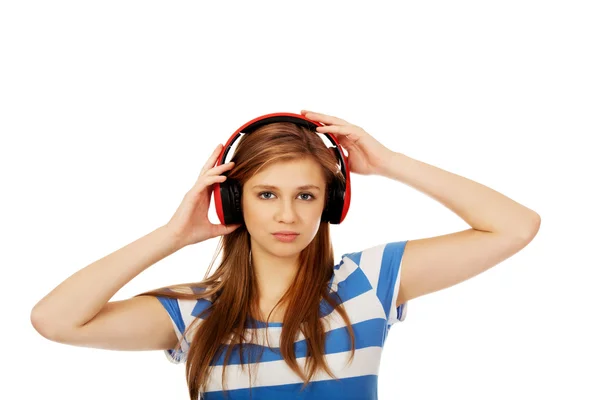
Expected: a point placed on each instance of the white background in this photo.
(108, 110)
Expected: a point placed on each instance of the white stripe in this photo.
(186, 307)
(393, 312)
(370, 263)
(345, 270)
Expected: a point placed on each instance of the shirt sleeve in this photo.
(382, 264)
(182, 312)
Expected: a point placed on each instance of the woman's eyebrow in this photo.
(304, 187)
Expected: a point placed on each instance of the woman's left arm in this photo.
(501, 227)
(483, 208)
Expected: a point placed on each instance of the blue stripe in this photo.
(172, 307)
(390, 263)
(353, 286)
(367, 334)
(201, 305)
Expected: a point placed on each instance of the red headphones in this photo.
(228, 194)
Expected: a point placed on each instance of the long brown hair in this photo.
(232, 289)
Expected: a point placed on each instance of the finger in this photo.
(335, 129)
(219, 169)
(216, 171)
(208, 180)
(326, 119)
(224, 229)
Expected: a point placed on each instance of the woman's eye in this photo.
(260, 194)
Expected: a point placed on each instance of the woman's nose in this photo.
(286, 212)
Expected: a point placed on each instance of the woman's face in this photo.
(274, 200)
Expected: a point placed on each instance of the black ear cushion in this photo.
(335, 202)
(231, 196)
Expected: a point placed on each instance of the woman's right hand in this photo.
(190, 222)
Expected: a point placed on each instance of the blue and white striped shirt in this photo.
(367, 282)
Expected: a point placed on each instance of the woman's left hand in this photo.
(366, 156)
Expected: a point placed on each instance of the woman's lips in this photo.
(285, 238)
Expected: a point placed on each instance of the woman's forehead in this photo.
(293, 174)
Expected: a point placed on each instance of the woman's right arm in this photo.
(78, 311)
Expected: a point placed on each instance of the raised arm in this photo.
(78, 311)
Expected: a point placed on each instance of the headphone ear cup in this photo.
(332, 212)
(231, 197)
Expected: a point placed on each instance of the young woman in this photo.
(280, 318)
